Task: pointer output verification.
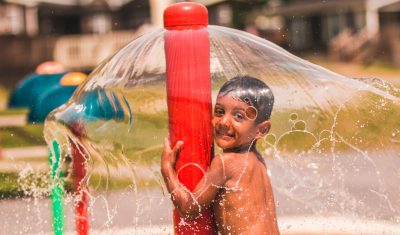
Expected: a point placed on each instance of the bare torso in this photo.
(245, 205)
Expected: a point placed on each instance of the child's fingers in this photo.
(167, 145)
(178, 147)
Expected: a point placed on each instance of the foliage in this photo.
(9, 185)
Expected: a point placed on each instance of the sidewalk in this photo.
(354, 70)
(25, 152)
(17, 159)
(18, 166)
(149, 212)
(13, 120)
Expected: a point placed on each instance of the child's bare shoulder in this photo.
(232, 163)
(237, 158)
(227, 158)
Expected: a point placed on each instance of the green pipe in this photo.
(57, 189)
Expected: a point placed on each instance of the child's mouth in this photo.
(224, 134)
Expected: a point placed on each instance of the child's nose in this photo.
(225, 120)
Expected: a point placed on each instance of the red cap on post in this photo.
(185, 15)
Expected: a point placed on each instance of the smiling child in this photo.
(236, 185)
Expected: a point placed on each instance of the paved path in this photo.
(13, 166)
(13, 120)
(117, 210)
(341, 195)
(12, 159)
(149, 212)
(25, 152)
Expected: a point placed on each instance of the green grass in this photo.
(366, 123)
(146, 156)
(7, 112)
(101, 183)
(142, 144)
(9, 185)
(13, 185)
(4, 94)
(381, 67)
(30, 135)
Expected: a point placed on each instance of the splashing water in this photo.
(332, 151)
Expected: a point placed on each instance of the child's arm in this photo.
(191, 204)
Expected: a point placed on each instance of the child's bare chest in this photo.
(232, 210)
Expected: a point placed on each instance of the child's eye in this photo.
(239, 116)
(218, 112)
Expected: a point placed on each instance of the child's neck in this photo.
(250, 147)
(247, 148)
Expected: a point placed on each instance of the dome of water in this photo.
(332, 150)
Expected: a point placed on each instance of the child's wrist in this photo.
(167, 170)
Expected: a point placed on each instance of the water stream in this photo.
(332, 150)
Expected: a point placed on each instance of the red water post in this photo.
(187, 51)
(80, 189)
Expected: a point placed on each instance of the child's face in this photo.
(234, 123)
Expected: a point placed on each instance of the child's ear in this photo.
(263, 129)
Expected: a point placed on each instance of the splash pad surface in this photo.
(328, 132)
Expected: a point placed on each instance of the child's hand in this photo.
(170, 156)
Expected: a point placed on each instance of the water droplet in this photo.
(300, 125)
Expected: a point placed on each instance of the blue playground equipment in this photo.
(101, 105)
(55, 96)
(31, 88)
(49, 101)
(95, 105)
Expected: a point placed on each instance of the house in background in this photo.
(33, 31)
(231, 13)
(313, 23)
(72, 30)
(355, 25)
(60, 17)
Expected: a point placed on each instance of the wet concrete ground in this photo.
(336, 195)
(116, 210)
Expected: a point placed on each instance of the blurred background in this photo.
(80, 33)
(357, 38)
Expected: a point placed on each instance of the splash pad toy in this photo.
(46, 77)
(188, 67)
(328, 151)
(55, 96)
(49, 67)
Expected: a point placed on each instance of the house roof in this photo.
(300, 7)
(209, 2)
(394, 7)
(310, 6)
(37, 2)
(111, 3)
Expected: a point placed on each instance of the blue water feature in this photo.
(31, 87)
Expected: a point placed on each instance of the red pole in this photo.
(79, 172)
(187, 51)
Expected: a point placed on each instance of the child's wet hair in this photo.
(253, 92)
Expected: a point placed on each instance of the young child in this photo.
(236, 185)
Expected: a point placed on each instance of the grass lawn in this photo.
(9, 112)
(9, 185)
(375, 70)
(30, 135)
(4, 94)
(367, 126)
